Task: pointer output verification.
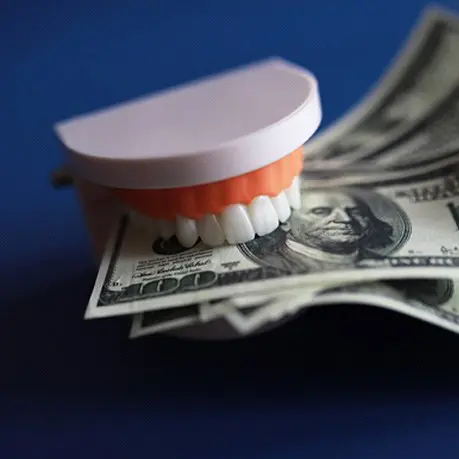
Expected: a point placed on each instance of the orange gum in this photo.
(212, 198)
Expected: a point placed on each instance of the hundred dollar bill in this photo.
(435, 301)
(431, 145)
(165, 320)
(255, 310)
(273, 312)
(337, 236)
(172, 318)
(364, 177)
(408, 126)
(422, 77)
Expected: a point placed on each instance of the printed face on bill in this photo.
(330, 220)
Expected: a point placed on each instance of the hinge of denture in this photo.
(218, 159)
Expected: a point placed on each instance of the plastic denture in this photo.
(232, 210)
(217, 159)
(237, 224)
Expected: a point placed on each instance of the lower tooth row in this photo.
(237, 223)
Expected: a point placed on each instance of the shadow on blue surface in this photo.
(50, 351)
(341, 378)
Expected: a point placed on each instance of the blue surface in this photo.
(339, 382)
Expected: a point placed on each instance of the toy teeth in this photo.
(218, 159)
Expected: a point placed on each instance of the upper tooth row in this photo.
(237, 223)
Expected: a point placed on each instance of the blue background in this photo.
(339, 382)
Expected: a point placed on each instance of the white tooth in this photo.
(263, 216)
(293, 194)
(236, 225)
(281, 206)
(187, 233)
(166, 228)
(210, 231)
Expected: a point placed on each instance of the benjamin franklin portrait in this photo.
(333, 229)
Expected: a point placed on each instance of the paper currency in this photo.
(172, 318)
(256, 319)
(435, 301)
(433, 144)
(245, 314)
(408, 125)
(422, 77)
(164, 320)
(336, 237)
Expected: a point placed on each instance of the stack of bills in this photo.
(378, 225)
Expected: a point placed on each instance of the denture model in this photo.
(217, 159)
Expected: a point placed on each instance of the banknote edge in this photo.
(414, 40)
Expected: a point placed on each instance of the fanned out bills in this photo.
(338, 236)
(434, 300)
(378, 224)
(408, 125)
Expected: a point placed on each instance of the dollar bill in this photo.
(408, 126)
(426, 139)
(337, 236)
(172, 318)
(249, 321)
(247, 302)
(242, 312)
(435, 301)
(431, 145)
(423, 76)
(434, 139)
